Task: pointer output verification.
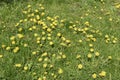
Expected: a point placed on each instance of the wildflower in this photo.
(49, 30)
(18, 65)
(87, 23)
(20, 36)
(3, 46)
(94, 76)
(37, 17)
(43, 38)
(33, 27)
(109, 57)
(16, 49)
(80, 66)
(63, 56)
(34, 53)
(40, 59)
(91, 50)
(59, 34)
(60, 71)
(25, 45)
(63, 38)
(80, 41)
(46, 59)
(35, 34)
(20, 29)
(110, 19)
(114, 41)
(68, 41)
(97, 54)
(44, 54)
(102, 74)
(25, 68)
(1, 55)
(78, 56)
(29, 6)
(51, 43)
(44, 65)
(49, 38)
(51, 66)
(42, 14)
(89, 55)
(8, 48)
(39, 78)
(13, 42)
(12, 37)
(91, 45)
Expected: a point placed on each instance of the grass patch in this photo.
(62, 40)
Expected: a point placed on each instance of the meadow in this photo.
(60, 40)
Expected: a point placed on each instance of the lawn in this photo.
(60, 40)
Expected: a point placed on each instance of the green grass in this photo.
(101, 18)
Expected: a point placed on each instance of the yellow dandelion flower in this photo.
(64, 56)
(42, 14)
(117, 6)
(80, 66)
(25, 45)
(34, 53)
(78, 56)
(44, 65)
(49, 30)
(87, 23)
(13, 42)
(59, 34)
(35, 34)
(3, 46)
(34, 27)
(25, 20)
(102, 74)
(39, 78)
(109, 57)
(91, 50)
(94, 76)
(25, 68)
(91, 45)
(63, 38)
(20, 36)
(40, 59)
(16, 49)
(51, 43)
(51, 66)
(12, 37)
(20, 29)
(37, 17)
(49, 35)
(89, 55)
(30, 29)
(18, 65)
(44, 54)
(8, 48)
(80, 41)
(28, 6)
(114, 41)
(110, 19)
(43, 38)
(1, 55)
(46, 59)
(60, 71)
(42, 8)
(68, 41)
(49, 38)
(97, 54)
